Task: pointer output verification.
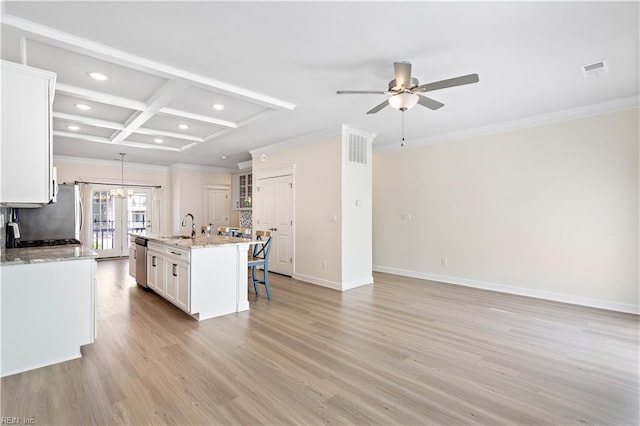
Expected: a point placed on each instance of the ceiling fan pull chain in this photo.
(402, 128)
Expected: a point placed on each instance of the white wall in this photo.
(550, 211)
(317, 202)
(188, 194)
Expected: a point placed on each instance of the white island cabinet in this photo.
(48, 306)
(206, 277)
(132, 256)
(155, 268)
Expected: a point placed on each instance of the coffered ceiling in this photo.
(274, 69)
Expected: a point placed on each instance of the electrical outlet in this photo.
(444, 261)
(324, 264)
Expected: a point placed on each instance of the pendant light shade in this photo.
(403, 101)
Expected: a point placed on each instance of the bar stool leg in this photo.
(254, 279)
(266, 282)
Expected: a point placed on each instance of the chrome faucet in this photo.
(193, 225)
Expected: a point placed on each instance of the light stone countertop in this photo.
(201, 241)
(23, 256)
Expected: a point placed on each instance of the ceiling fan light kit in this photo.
(404, 101)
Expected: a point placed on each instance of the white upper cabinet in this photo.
(27, 175)
(242, 190)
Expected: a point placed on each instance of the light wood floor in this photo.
(401, 351)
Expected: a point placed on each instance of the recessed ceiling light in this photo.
(158, 140)
(83, 107)
(73, 127)
(183, 126)
(223, 157)
(98, 76)
(217, 106)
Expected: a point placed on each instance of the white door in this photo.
(113, 218)
(274, 212)
(217, 208)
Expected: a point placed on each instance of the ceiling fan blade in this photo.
(403, 73)
(429, 103)
(378, 107)
(360, 92)
(451, 82)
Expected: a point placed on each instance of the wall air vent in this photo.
(357, 149)
(595, 69)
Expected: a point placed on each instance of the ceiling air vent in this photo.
(595, 69)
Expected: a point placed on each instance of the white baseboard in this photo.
(319, 281)
(538, 294)
(333, 284)
(22, 369)
(358, 283)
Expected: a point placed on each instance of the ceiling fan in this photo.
(405, 90)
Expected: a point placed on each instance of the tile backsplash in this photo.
(245, 219)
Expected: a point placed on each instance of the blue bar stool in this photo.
(260, 257)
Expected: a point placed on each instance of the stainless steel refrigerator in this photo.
(56, 221)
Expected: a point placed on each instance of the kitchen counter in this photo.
(202, 241)
(47, 309)
(21, 256)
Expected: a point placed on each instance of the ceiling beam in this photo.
(174, 135)
(162, 97)
(89, 121)
(198, 117)
(100, 97)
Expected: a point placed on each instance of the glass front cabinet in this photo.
(242, 190)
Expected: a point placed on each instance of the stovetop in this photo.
(48, 243)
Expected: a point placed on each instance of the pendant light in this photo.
(119, 192)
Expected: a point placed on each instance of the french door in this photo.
(112, 218)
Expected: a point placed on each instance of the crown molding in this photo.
(535, 121)
(184, 166)
(114, 162)
(245, 165)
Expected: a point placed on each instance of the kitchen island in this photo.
(48, 305)
(205, 276)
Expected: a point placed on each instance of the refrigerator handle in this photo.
(81, 216)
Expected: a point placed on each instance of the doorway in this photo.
(113, 218)
(217, 207)
(274, 212)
